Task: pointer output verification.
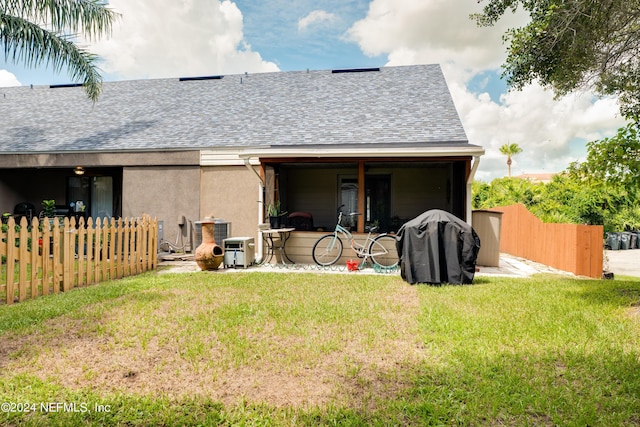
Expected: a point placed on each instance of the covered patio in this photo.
(386, 187)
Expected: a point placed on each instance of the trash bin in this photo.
(613, 241)
(625, 240)
(487, 225)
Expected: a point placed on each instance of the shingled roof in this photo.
(386, 107)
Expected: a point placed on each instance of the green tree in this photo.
(611, 172)
(36, 32)
(602, 190)
(505, 191)
(510, 150)
(568, 198)
(573, 44)
(615, 160)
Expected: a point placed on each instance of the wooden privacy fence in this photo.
(569, 247)
(50, 256)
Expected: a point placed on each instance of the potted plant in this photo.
(49, 208)
(275, 214)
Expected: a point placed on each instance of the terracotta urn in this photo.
(208, 255)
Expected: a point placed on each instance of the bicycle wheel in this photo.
(383, 251)
(327, 250)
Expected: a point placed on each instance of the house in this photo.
(387, 142)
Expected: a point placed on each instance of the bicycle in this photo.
(381, 248)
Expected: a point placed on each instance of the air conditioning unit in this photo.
(221, 231)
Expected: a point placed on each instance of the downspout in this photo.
(472, 174)
(259, 245)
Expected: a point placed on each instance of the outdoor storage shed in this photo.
(437, 247)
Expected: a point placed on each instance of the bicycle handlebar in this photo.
(351, 213)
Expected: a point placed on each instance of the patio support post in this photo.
(261, 219)
(361, 196)
(472, 174)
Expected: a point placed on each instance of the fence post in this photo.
(67, 259)
(145, 238)
(81, 252)
(596, 257)
(104, 259)
(23, 259)
(126, 255)
(153, 237)
(91, 242)
(112, 248)
(36, 256)
(11, 238)
(119, 251)
(57, 257)
(138, 243)
(47, 266)
(97, 250)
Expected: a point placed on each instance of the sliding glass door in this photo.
(91, 196)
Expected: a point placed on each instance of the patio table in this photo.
(276, 239)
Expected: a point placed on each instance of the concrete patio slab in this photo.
(509, 266)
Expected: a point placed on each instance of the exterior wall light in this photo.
(79, 170)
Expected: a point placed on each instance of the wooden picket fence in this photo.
(569, 247)
(50, 256)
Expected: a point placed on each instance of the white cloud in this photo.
(8, 79)
(169, 38)
(315, 17)
(440, 31)
(552, 133)
(437, 31)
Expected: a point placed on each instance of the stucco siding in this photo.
(231, 193)
(163, 192)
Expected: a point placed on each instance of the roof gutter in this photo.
(323, 152)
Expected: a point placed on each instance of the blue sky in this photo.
(173, 38)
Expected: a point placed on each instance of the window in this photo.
(102, 197)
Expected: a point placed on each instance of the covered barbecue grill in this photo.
(437, 247)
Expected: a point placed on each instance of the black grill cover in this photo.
(437, 247)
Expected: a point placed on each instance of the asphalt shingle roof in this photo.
(396, 105)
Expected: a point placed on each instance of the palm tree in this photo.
(510, 150)
(36, 32)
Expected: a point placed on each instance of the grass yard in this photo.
(324, 349)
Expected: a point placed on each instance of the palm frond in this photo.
(32, 45)
(91, 17)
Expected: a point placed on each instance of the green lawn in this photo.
(324, 349)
